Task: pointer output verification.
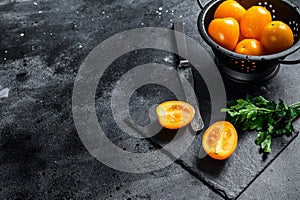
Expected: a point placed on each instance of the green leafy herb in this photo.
(266, 117)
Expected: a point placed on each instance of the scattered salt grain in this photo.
(167, 59)
(160, 8)
(35, 3)
(22, 34)
(4, 92)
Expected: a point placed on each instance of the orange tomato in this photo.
(175, 114)
(277, 36)
(225, 32)
(250, 47)
(253, 22)
(220, 140)
(230, 8)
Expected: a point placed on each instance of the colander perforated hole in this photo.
(265, 4)
(236, 64)
(269, 7)
(293, 24)
(253, 65)
(242, 65)
(295, 27)
(273, 14)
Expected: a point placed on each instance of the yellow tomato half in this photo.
(175, 114)
(220, 140)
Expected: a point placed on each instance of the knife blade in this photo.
(186, 76)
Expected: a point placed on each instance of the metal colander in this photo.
(245, 68)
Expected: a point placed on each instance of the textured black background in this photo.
(42, 45)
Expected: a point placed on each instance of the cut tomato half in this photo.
(220, 140)
(175, 114)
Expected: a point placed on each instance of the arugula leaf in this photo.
(267, 117)
(266, 144)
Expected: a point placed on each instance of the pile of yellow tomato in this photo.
(249, 32)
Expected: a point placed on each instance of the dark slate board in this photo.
(232, 176)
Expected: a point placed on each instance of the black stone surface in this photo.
(231, 177)
(42, 45)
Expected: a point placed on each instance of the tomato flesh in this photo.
(175, 114)
(220, 140)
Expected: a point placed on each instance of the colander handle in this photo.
(201, 4)
(289, 62)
